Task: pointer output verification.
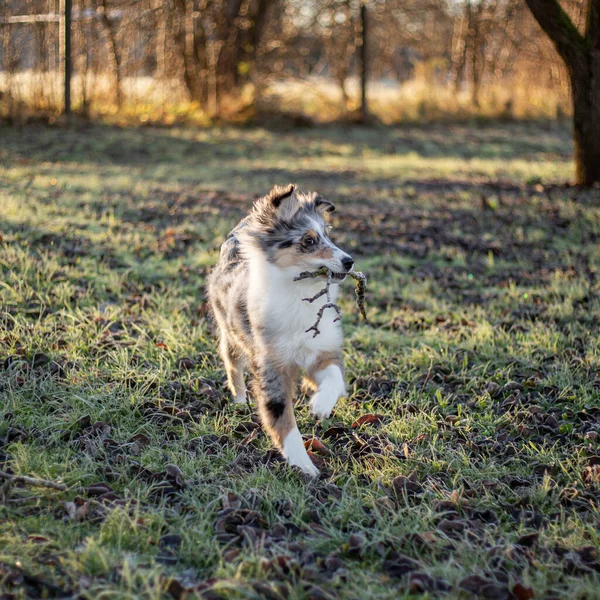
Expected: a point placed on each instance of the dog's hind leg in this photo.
(327, 376)
(235, 364)
(275, 397)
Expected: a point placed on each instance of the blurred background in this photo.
(242, 61)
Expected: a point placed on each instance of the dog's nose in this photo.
(348, 263)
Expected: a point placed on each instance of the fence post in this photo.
(364, 109)
(64, 41)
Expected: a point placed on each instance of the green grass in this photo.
(481, 357)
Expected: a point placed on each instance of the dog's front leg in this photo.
(274, 392)
(327, 376)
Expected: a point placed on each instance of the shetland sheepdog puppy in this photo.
(263, 320)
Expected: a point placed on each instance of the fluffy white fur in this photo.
(331, 387)
(275, 301)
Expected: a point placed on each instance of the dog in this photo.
(263, 319)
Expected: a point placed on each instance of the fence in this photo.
(425, 59)
(64, 18)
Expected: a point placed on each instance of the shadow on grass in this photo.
(106, 145)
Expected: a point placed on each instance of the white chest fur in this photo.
(276, 304)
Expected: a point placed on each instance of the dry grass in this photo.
(28, 95)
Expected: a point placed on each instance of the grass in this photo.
(480, 360)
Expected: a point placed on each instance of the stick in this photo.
(328, 304)
(316, 296)
(35, 581)
(323, 271)
(360, 291)
(315, 327)
(33, 481)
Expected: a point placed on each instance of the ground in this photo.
(465, 459)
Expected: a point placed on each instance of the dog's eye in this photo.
(309, 241)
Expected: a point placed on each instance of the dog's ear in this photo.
(284, 200)
(324, 206)
(279, 193)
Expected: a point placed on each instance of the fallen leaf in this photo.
(400, 565)
(421, 582)
(246, 427)
(356, 544)
(473, 583)
(403, 485)
(316, 445)
(528, 540)
(522, 592)
(369, 419)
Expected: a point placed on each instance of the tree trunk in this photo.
(459, 49)
(472, 48)
(114, 53)
(217, 44)
(586, 125)
(192, 72)
(581, 54)
(163, 26)
(586, 101)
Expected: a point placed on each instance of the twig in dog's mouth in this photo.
(360, 290)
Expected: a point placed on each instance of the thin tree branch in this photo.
(316, 296)
(360, 290)
(322, 272)
(315, 327)
(33, 481)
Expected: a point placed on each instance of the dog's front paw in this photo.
(322, 405)
(306, 467)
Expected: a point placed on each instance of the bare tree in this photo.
(115, 51)
(210, 49)
(581, 54)
(219, 42)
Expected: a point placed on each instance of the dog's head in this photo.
(290, 230)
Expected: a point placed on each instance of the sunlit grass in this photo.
(479, 343)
